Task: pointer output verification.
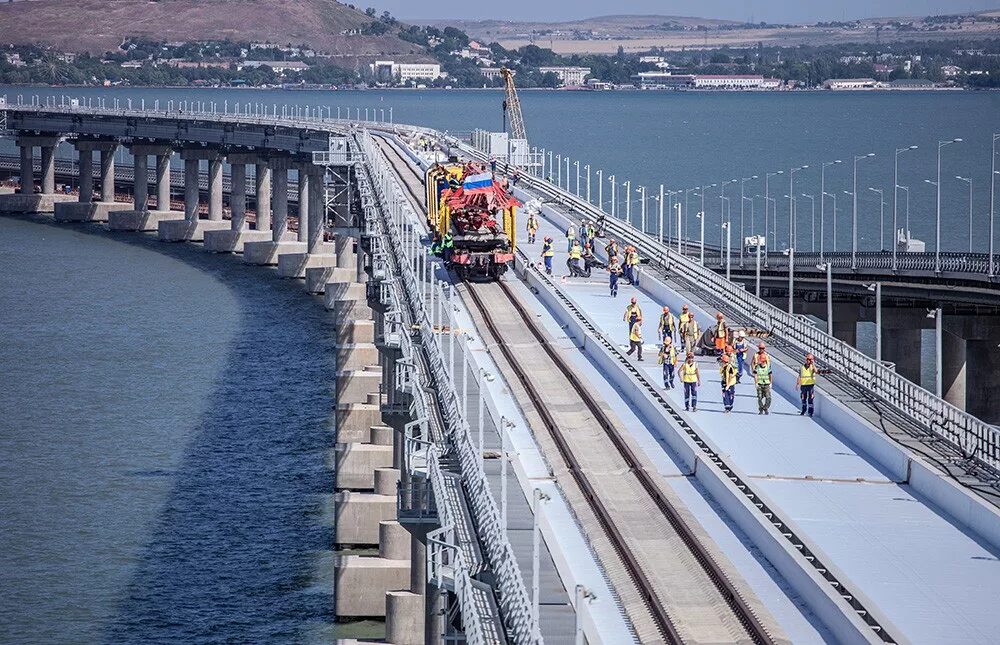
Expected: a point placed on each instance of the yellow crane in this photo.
(512, 105)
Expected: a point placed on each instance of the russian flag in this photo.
(478, 183)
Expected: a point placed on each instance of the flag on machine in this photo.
(480, 183)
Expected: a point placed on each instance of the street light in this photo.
(743, 198)
(722, 200)
(877, 288)
(881, 215)
(727, 227)
(812, 200)
(790, 252)
(642, 191)
(600, 189)
(627, 187)
(907, 219)
(577, 165)
(678, 207)
(588, 183)
(834, 197)
(937, 236)
(828, 267)
(567, 173)
(968, 180)
(854, 224)
(701, 216)
(559, 170)
(936, 314)
(767, 198)
(895, 201)
(791, 205)
(614, 197)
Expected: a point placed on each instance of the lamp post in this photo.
(767, 199)
(936, 314)
(743, 182)
(577, 165)
(627, 187)
(614, 197)
(877, 288)
(687, 211)
(588, 183)
(937, 235)
(791, 206)
(559, 171)
(854, 217)
(727, 227)
(828, 267)
(790, 252)
(661, 213)
(567, 174)
(968, 180)
(757, 290)
(722, 214)
(678, 207)
(993, 175)
(600, 189)
(881, 216)
(642, 217)
(895, 202)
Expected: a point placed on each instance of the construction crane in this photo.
(512, 106)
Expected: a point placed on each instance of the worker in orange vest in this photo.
(720, 334)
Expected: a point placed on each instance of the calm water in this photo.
(692, 139)
(165, 416)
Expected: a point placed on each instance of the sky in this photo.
(781, 11)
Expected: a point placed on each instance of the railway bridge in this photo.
(512, 473)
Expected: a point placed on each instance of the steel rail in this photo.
(723, 585)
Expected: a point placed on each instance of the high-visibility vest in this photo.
(633, 310)
(741, 347)
(570, 233)
(692, 328)
(807, 375)
(574, 253)
(666, 322)
(720, 329)
(532, 224)
(668, 355)
(612, 250)
(760, 359)
(762, 374)
(728, 373)
(547, 251)
(689, 373)
(684, 319)
(636, 335)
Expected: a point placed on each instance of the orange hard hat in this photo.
(725, 358)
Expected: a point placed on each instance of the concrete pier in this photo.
(312, 226)
(87, 210)
(238, 234)
(192, 228)
(28, 201)
(140, 217)
(282, 241)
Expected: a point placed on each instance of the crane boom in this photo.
(512, 105)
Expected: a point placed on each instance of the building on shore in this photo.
(851, 84)
(668, 81)
(568, 75)
(278, 66)
(491, 73)
(390, 72)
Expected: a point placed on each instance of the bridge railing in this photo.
(972, 437)
(924, 262)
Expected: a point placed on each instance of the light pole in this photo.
(968, 180)
(687, 212)
(588, 183)
(678, 207)
(642, 217)
(791, 205)
(828, 267)
(877, 288)
(812, 200)
(727, 227)
(661, 213)
(722, 214)
(993, 175)
(790, 252)
(627, 187)
(881, 215)
(767, 198)
(559, 170)
(822, 203)
(895, 202)
(614, 197)
(701, 216)
(600, 190)
(743, 182)
(577, 165)
(937, 235)
(854, 217)
(936, 314)
(567, 174)
(757, 290)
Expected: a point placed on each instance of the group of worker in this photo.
(729, 348)
(627, 267)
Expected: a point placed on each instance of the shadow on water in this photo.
(233, 554)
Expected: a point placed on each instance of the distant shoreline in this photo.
(631, 90)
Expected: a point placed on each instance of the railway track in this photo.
(411, 179)
(671, 585)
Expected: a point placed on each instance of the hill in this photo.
(98, 26)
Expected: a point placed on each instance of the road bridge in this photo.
(522, 477)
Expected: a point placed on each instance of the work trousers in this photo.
(690, 342)
(569, 244)
(614, 285)
(741, 364)
(635, 345)
(668, 376)
(690, 396)
(728, 396)
(548, 264)
(807, 393)
(763, 397)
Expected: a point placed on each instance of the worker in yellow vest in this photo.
(806, 382)
(720, 334)
(633, 314)
(635, 338)
(691, 378)
(573, 263)
(570, 237)
(727, 372)
(692, 334)
(667, 327)
(547, 254)
(668, 359)
(532, 227)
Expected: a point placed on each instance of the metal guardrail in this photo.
(975, 439)
(430, 311)
(971, 264)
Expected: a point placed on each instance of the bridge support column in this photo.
(140, 217)
(846, 330)
(981, 389)
(263, 189)
(233, 239)
(953, 381)
(27, 200)
(318, 254)
(902, 347)
(86, 209)
(266, 251)
(192, 228)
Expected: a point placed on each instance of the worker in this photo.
(633, 314)
(532, 227)
(740, 346)
(760, 357)
(806, 383)
(493, 165)
(515, 177)
(668, 359)
(573, 263)
(635, 266)
(590, 260)
(591, 232)
(691, 378)
(582, 233)
(692, 334)
(547, 254)
(570, 237)
(614, 272)
(763, 377)
(720, 333)
(667, 327)
(436, 245)
(727, 372)
(611, 249)
(629, 265)
(682, 324)
(635, 338)
(447, 246)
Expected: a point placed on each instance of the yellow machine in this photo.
(473, 217)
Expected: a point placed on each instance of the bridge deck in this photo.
(932, 580)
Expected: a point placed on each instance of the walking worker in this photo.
(591, 232)
(740, 346)
(633, 314)
(720, 334)
(570, 237)
(807, 384)
(668, 359)
(547, 254)
(634, 271)
(692, 334)
(611, 249)
(760, 357)
(728, 373)
(763, 377)
(691, 378)
(635, 338)
(668, 327)
(614, 272)
(532, 228)
(447, 246)
(573, 263)
(682, 325)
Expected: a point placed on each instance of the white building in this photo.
(388, 71)
(278, 66)
(851, 84)
(651, 59)
(951, 71)
(568, 75)
(734, 82)
(491, 72)
(663, 80)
